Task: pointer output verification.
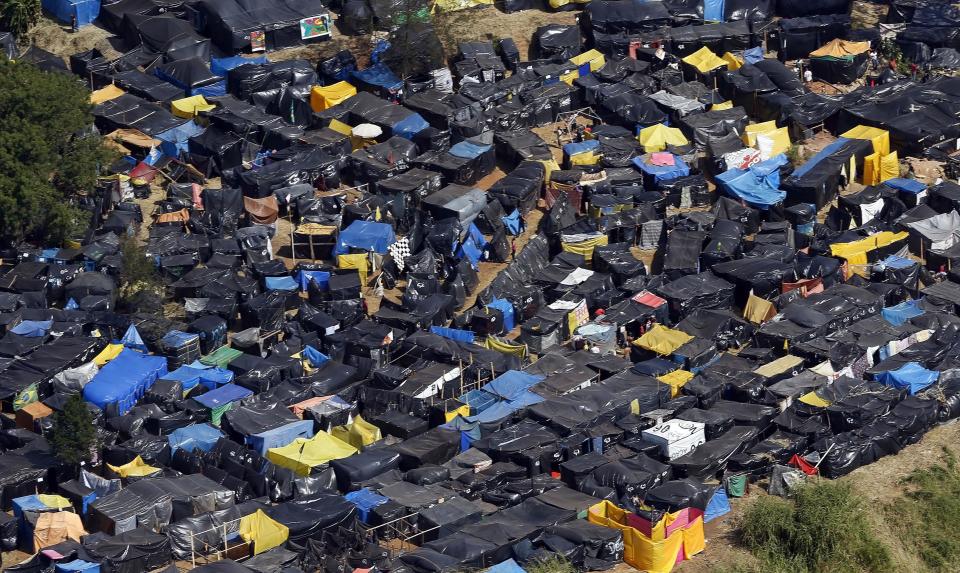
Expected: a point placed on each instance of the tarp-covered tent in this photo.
(80, 12)
(758, 185)
(283, 24)
(124, 380)
(302, 455)
(840, 61)
(659, 137)
(367, 236)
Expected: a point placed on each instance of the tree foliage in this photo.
(48, 153)
(19, 15)
(74, 438)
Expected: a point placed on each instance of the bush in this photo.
(74, 436)
(929, 514)
(139, 275)
(823, 528)
(553, 565)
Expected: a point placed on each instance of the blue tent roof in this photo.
(719, 505)
(506, 307)
(322, 278)
(753, 55)
(124, 380)
(713, 10)
(281, 283)
(469, 149)
(197, 436)
(131, 339)
(32, 328)
(223, 395)
(911, 376)
(365, 500)
(279, 437)
(512, 222)
(907, 185)
(220, 66)
(410, 126)
(27, 503)
(77, 566)
(901, 313)
(379, 75)
(176, 138)
(86, 11)
(511, 384)
(574, 148)
(759, 185)
(315, 357)
(453, 333)
(508, 566)
(366, 235)
(661, 172)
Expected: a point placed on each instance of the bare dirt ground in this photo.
(60, 40)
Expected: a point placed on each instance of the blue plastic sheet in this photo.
(176, 139)
(512, 222)
(753, 55)
(131, 339)
(719, 506)
(823, 154)
(906, 185)
(713, 10)
(196, 437)
(379, 75)
(32, 328)
(511, 384)
(279, 437)
(220, 66)
(471, 252)
(77, 566)
(410, 126)
(315, 357)
(124, 380)
(758, 185)
(322, 278)
(453, 333)
(366, 501)
(662, 173)
(365, 235)
(901, 313)
(281, 283)
(223, 395)
(508, 566)
(469, 150)
(504, 306)
(911, 376)
(576, 148)
(86, 11)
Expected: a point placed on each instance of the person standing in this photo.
(874, 60)
(74, 24)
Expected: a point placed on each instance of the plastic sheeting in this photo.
(124, 380)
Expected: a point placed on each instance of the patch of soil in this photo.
(59, 39)
(489, 23)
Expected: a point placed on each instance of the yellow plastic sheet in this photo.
(733, 62)
(325, 97)
(838, 48)
(656, 554)
(136, 468)
(54, 501)
(593, 57)
(812, 399)
(889, 167)
(107, 354)
(758, 310)
(676, 380)
(189, 107)
(105, 94)
(705, 60)
(871, 169)
(518, 350)
(662, 340)
(658, 137)
(53, 527)
(461, 411)
(855, 253)
(773, 143)
(263, 531)
(722, 105)
(879, 137)
(358, 433)
(753, 130)
(302, 455)
(358, 261)
(585, 158)
(585, 248)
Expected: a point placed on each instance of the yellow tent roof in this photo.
(302, 455)
(134, 137)
(54, 501)
(733, 62)
(189, 107)
(705, 60)
(758, 310)
(136, 468)
(105, 94)
(658, 137)
(754, 129)
(325, 97)
(263, 531)
(358, 433)
(676, 380)
(662, 340)
(838, 48)
(107, 354)
(56, 526)
(594, 57)
(813, 399)
(356, 261)
(879, 137)
(722, 105)
(773, 143)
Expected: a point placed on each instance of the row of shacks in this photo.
(279, 423)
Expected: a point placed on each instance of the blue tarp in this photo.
(719, 505)
(210, 376)
(713, 10)
(504, 306)
(223, 395)
(178, 339)
(281, 283)
(27, 503)
(895, 262)
(901, 313)
(511, 384)
(478, 400)
(571, 149)
(410, 126)
(86, 11)
(366, 501)
(124, 380)
(131, 339)
(911, 376)
(220, 66)
(71, 305)
(662, 173)
(497, 411)
(508, 566)
(314, 356)
(32, 328)
(176, 139)
(753, 55)
(824, 153)
(759, 185)
(469, 150)
(279, 437)
(196, 437)
(77, 566)
(906, 185)
(322, 278)
(469, 250)
(366, 235)
(379, 75)
(512, 222)
(453, 333)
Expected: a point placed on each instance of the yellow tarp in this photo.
(56, 526)
(568, 77)
(758, 310)
(879, 137)
(871, 169)
(264, 532)
(54, 501)
(549, 166)
(136, 468)
(325, 97)
(593, 57)
(779, 366)
(585, 248)
(733, 62)
(662, 340)
(189, 107)
(773, 143)
(585, 158)
(358, 261)
(722, 105)
(889, 167)
(358, 433)
(302, 455)
(340, 127)
(705, 60)
(812, 399)
(502, 346)
(105, 94)
(461, 411)
(840, 49)
(107, 354)
(676, 380)
(855, 253)
(754, 129)
(133, 137)
(658, 137)
(657, 553)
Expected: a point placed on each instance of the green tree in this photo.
(74, 438)
(19, 15)
(48, 154)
